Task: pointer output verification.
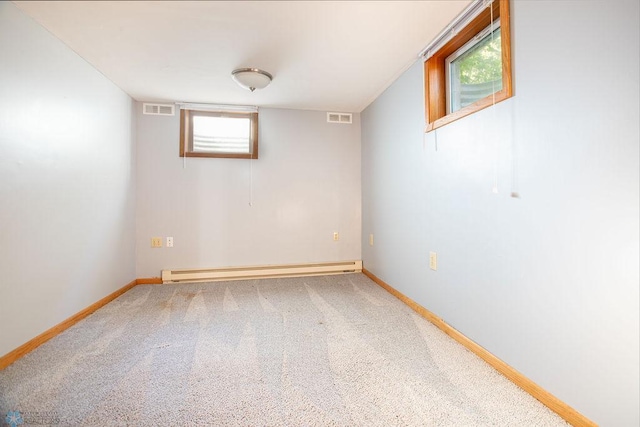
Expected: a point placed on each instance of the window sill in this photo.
(469, 109)
(219, 155)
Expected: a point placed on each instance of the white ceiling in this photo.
(324, 55)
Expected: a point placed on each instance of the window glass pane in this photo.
(221, 135)
(476, 73)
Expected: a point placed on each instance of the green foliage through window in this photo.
(475, 71)
(482, 63)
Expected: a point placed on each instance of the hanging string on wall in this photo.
(251, 181)
(424, 141)
(514, 156)
(496, 160)
(425, 137)
(435, 139)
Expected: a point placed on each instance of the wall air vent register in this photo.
(158, 109)
(344, 118)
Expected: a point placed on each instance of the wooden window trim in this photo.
(435, 72)
(186, 132)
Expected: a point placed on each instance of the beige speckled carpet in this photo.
(313, 351)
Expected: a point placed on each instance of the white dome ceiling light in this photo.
(251, 78)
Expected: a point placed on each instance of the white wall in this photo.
(306, 185)
(66, 182)
(549, 281)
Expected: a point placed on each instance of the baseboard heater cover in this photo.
(260, 272)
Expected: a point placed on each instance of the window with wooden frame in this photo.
(472, 69)
(221, 134)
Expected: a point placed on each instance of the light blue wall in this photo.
(548, 282)
(67, 182)
(304, 186)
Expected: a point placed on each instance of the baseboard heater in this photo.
(260, 272)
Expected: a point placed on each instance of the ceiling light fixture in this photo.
(251, 78)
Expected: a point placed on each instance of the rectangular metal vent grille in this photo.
(158, 109)
(345, 118)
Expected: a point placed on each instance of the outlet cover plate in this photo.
(433, 260)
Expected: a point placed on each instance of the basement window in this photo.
(471, 70)
(218, 134)
(474, 71)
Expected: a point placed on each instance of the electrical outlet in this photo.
(370, 239)
(156, 242)
(336, 236)
(169, 242)
(433, 260)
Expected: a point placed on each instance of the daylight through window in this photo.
(471, 69)
(218, 134)
(475, 70)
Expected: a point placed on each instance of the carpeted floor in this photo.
(313, 351)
